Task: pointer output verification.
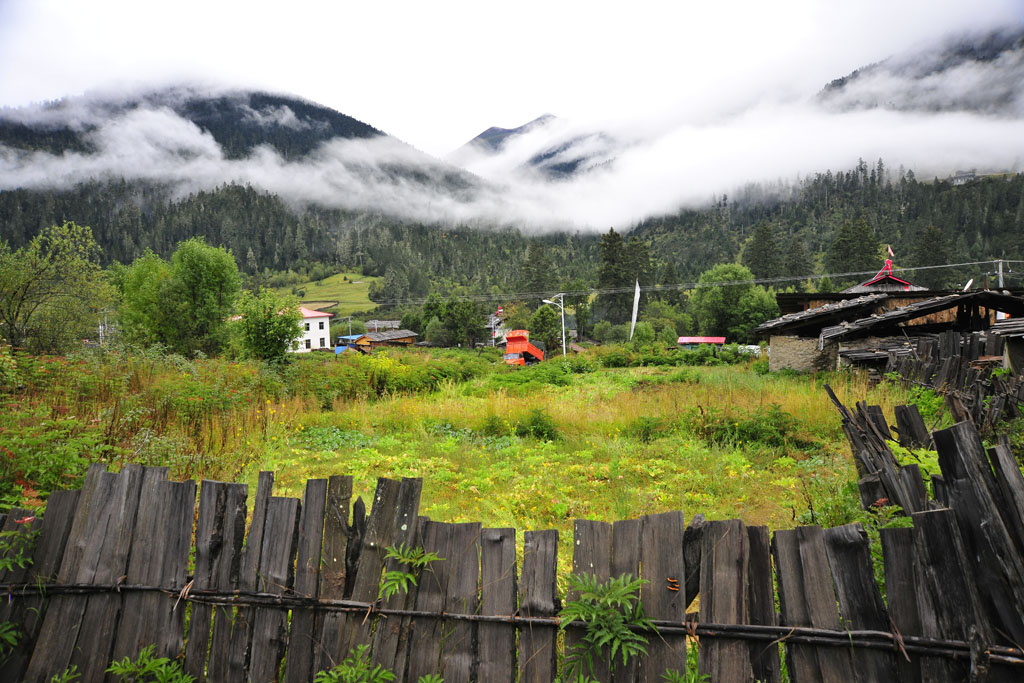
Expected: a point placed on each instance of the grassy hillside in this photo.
(341, 294)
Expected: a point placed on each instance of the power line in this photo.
(513, 296)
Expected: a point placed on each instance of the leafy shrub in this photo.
(769, 426)
(539, 425)
(522, 380)
(647, 429)
(760, 367)
(355, 668)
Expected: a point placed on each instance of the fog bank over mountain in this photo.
(954, 105)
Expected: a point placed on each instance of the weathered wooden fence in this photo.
(130, 560)
(960, 366)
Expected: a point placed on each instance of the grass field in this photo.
(531, 448)
(349, 290)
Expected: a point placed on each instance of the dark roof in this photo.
(820, 316)
(991, 300)
(389, 335)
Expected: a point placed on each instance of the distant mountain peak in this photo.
(494, 138)
(239, 120)
(979, 73)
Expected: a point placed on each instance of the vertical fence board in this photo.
(977, 501)
(458, 645)
(661, 559)
(591, 556)
(334, 573)
(352, 630)
(538, 598)
(724, 599)
(901, 593)
(860, 601)
(299, 666)
(229, 658)
(497, 662)
(807, 598)
(220, 529)
(391, 638)
(626, 538)
(275, 574)
(427, 633)
(764, 657)
(161, 560)
(946, 587)
(1010, 482)
(28, 612)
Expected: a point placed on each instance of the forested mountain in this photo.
(239, 121)
(970, 73)
(927, 223)
(791, 230)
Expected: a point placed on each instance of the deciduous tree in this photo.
(52, 290)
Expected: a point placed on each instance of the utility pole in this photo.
(1000, 262)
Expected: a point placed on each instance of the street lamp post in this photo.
(561, 306)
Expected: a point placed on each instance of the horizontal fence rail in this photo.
(278, 589)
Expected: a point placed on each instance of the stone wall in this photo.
(801, 353)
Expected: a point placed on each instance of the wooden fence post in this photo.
(220, 530)
(661, 559)
(538, 598)
(724, 590)
(497, 658)
(807, 598)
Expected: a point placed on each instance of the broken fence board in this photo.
(538, 598)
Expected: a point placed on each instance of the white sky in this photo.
(435, 74)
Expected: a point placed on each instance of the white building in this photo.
(316, 331)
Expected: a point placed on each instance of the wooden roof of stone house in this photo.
(889, 321)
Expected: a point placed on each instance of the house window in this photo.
(307, 327)
(323, 342)
(321, 326)
(309, 344)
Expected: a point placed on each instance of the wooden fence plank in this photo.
(949, 601)
(860, 602)
(54, 529)
(1010, 482)
(661, 559)
(807, 598)
(229, 657)
(63, 620)
(976, 498)
(899, 556)
(391, 636)
(105, 562)
(458, 645)
(276, 575)
(626, 539)
(764, 657)
(379, 531)
(591, 556)
(159, 558)
(724, 600)
(339, 544)
(427, 633)
(220, 530)
(538, 598)
(497, 658)
(299, 667)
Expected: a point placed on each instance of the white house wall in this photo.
(316, 335)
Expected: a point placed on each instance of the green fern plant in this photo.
(356, 668)
(415, 559)
(148, 668)
(614, 623)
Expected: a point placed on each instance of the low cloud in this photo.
(970, 115)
